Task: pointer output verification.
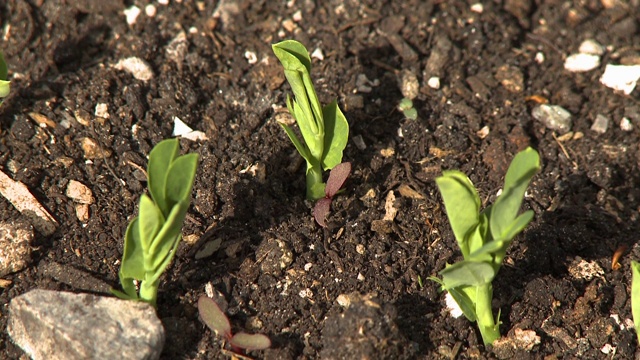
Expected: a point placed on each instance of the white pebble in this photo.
(452, 306)
(102, 110)
(581, 62)
(621, 77)
(592, 47)
(297, 16)
(251, 57)
(625, 124)
(434, 82)
(539, 57)
(132, 14)
(554, 117)
(317, 53)
(150, 10)
(136, 67)
(163, 2)
(477, 8)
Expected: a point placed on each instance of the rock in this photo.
(274, 256)
(554, 117)
(621, 77)
(137, 67)
(19, 196)
(15, 246)
(409, 86)
(511, 78)
(79, 192)
(581, 62)
(60, 325)
(600, 124)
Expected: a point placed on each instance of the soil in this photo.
(249, 190)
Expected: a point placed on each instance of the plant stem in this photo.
(315, 186)
(149, 292)
(486, 323)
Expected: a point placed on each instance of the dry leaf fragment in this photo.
(19, 196)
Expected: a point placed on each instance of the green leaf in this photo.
(301, 147)
(150, 220)
(160, 159)
(523, 167)
(635, 296)
(167, 238)
(465, 302)
(5, 86)
(462, 203)
(336, 134)
(213, 317)
(132, 266)
(467, 273)
(250, 341)
(180, 177)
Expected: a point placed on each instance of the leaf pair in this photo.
(217, 321)
(324, 129)
(153, 236)
(337, 177)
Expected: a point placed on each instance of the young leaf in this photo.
(167, 238)
(462, 203)
(320, 211)
(467, 273)
(181, 174)
(337, 177)
(160, 159)
(336, 133)
(635, 296)
(523, 167)
(132, 266)
(250, 341)
(213, 317)
(150, 221)
(5, 86)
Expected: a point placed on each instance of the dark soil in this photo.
(586, 197)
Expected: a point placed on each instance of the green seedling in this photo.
(5, 85)
(152, 237)
(324, 129)
(407, 109)
(217, 321)
(635, 296)
(483, 237)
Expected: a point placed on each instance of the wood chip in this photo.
(19, 196)
(42, 120)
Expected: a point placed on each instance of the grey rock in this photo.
(600, 124)
(61, 325)
(554, 117)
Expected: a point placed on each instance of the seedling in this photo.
(152, 237)
(635, 296)
(5, 85)
(324, 129)
(217, 321)
(337, 177)
(407, 109)
(483, 237)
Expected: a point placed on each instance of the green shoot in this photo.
(5, 85)
(324, 129)
(635, 296)
(483, 237)
(152, 237)
(407, 109)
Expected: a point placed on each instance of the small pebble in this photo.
(317, 53)
(150, 10)
(539, 57)
(434, 82)
(554, 117)
(91, 149)
(409, 86)
(581, 62)
(297, 16)
(483, 133)
(15, 246)
(132, 14)
(251, 57)
(102, 110)
(626, 124)
(477, 8)
(592, 47)
(136, 67)
(359, 142)
(621, 77)
(600, 124)
(163, 2)
(79, 192)
(511, 78)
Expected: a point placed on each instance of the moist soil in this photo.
(280, 273)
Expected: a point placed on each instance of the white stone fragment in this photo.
(539, 57)
(251, 57)
(581, 62)
(554, 117)
(621, 77)
(183, 130)
(19, 196)
(434, 82)
(477, 8)
(150, 10)
(297, 16)
(61, 325)
(15, 246)
(163, 2)
(600, 124)
(317, 53)
(452, 306)
(136, 67)
(626, 124)
(79, 192)
(590, 46)
(132, 14)
(102, 110)
(584, 270)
